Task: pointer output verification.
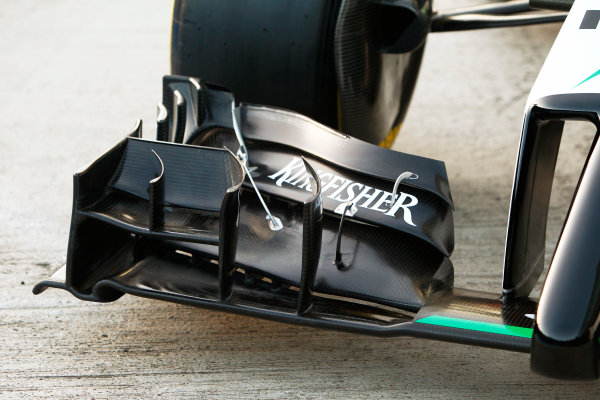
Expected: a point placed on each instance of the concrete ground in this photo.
(74, 77)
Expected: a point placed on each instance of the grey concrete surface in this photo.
(75, 75)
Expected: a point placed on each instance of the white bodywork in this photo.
(573, 65)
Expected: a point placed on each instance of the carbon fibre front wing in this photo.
(360, 236)
(357, 237)
(178, 222)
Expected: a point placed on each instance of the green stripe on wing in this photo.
(477, 326)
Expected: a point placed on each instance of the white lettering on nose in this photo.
(413, 201)
(345, 190)
(333, 183)
(386, 198)
(325, 175)
(350, 192)
(284, 174)
(365, 195)
(296, 178)
(339, 190)
(301, 176)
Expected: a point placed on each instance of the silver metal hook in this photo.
(242, 153)
(274, 222)
(402, 177)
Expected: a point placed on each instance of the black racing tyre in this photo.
(345, 63)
